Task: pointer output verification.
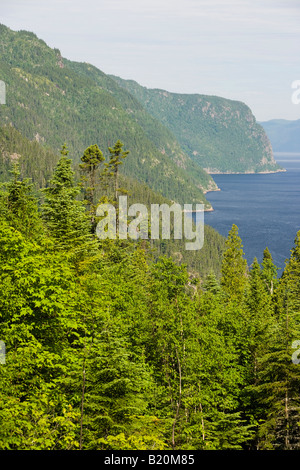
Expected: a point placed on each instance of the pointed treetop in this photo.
(63, 175)
(267, 254)
(234, 266)
(91, 158)
(64, 150)
(116, 154)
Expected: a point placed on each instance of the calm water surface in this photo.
(265, 207)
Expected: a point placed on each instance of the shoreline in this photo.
(194, 211)
(211, 190)
(246, 172)
(267, 172)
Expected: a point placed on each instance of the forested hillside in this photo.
(51, 100)
(159, 134)
(121, 344)
(220, 135)
(37, 163)
(109, 348)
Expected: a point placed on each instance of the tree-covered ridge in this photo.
(37, 163)
(108, 347)
(51, 100)
(159, 134)
(220, 135)
(108, 344)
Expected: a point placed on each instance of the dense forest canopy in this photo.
(121, 344)
(110, 346)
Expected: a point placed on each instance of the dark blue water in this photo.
(265, 207)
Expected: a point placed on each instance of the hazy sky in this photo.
(238, 49)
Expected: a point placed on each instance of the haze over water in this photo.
(265, 207)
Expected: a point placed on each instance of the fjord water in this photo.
(265, 207)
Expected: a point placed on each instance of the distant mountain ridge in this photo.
(37, 163)
(283, 134)
(220, 135)
(53, 100)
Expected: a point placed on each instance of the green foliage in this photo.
(234, 266)
(35, 161)
(128, 351)
(218, 134)
(91, 159)
(269, 271)
(43, 89)
(19, 205)
(128, 345)
(64, 215)
(199, 262)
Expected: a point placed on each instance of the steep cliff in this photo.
(221, 135)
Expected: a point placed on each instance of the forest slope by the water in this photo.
(110, 348)
(219, 134)
(112, 343)
(53, 100)
(37, 163)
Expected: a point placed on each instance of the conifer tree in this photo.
(64, 215)
(234, 266)
(37, 321)
(211, 283)
(117, 155)
(91, 160)
(20, 206)
(258, 320)
(269, 271)
(257, 296)
(279, 376)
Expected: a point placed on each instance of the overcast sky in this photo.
(238, 49)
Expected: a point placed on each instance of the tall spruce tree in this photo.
(234, 266)
(19, 205)
(91, 161)
(277, 390)
(269, 271)
(65, 216)
(116, 157)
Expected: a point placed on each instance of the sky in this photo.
(238, 49)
